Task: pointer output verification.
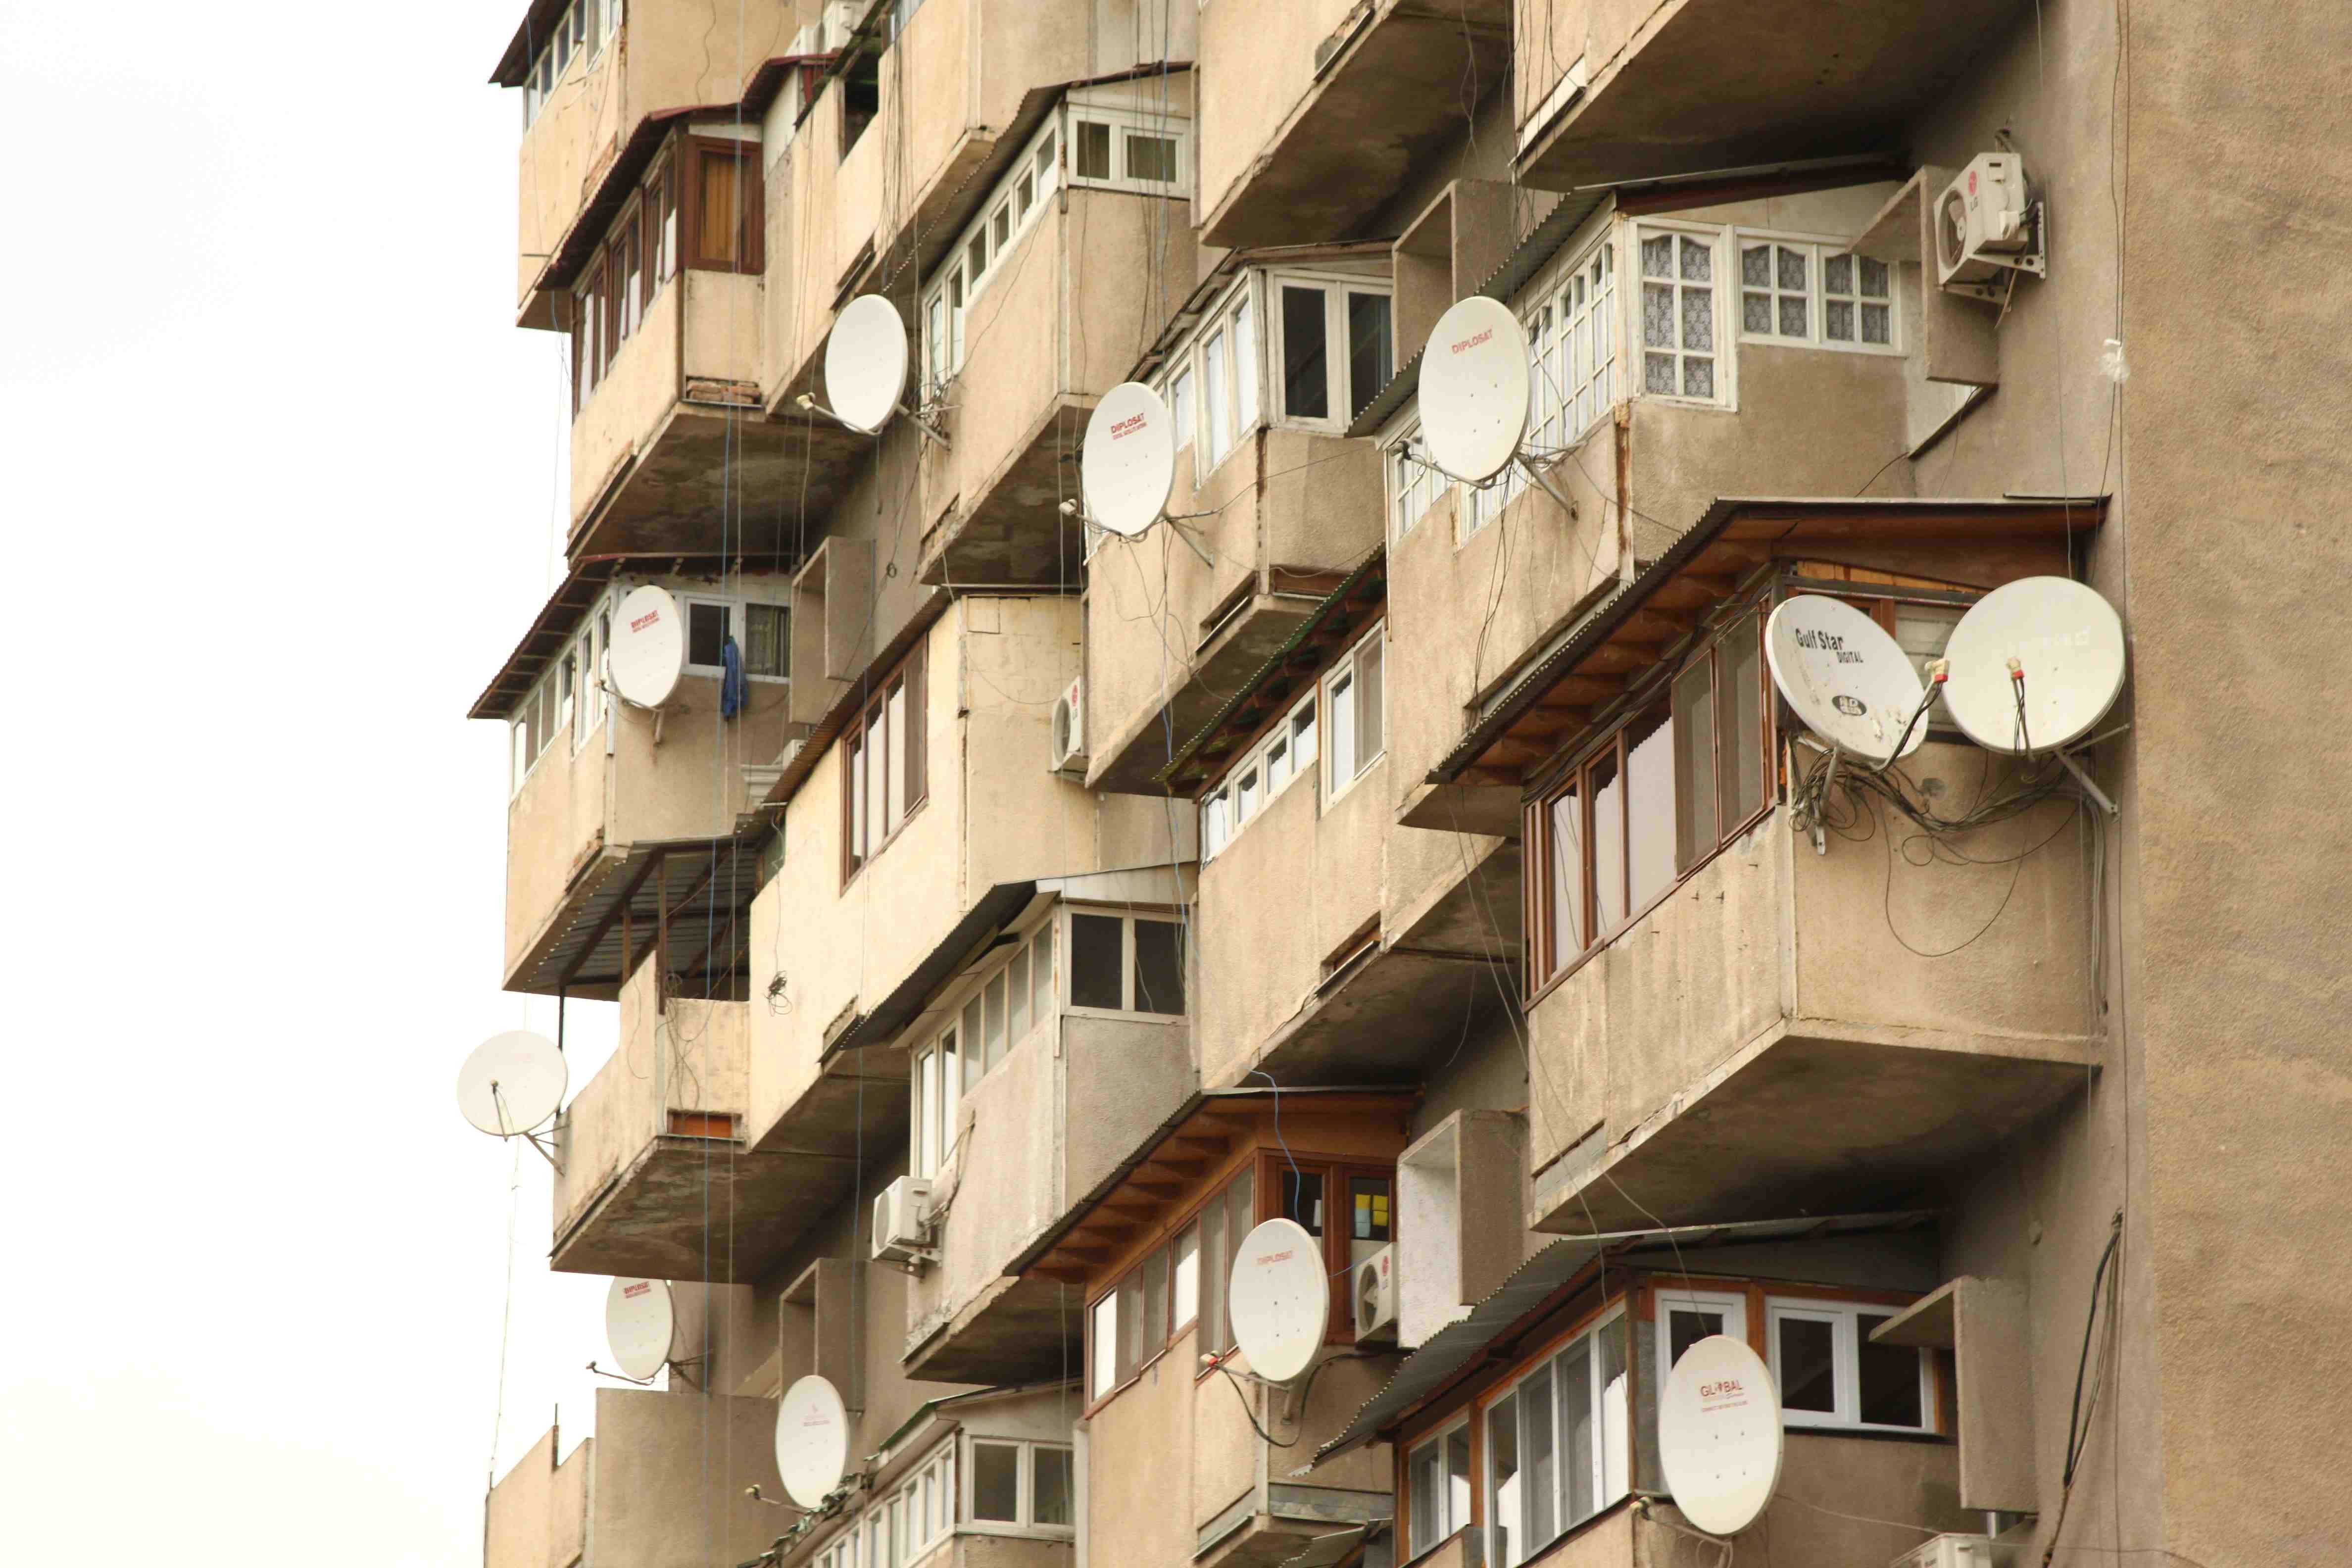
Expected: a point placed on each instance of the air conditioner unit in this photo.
(1376, 1298)
(1070, 732)
(1959, 1551)
(898, 1230)
(1984, 220)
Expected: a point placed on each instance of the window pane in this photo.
(1186, 1301)
(1369, 1226)
(1151, 158)
(1343, 728)
(722, 183)
(1608, 842)
(1890, 1378)
(1040, 974)
(1739, 748)
(1245, 365)
(767, 639)
(1159, 967)
(927, 1149)
(1370, 355)
(1614, 1427)
(994, 997)
(975, 257)
(1094, 955)
(950, 1092)
(1000, 228)
(1022, 195)
(1302, 737)
(856, 782)
(878, 770)
(1578, 1437)
(1050, 1486)
(996, 1483)
(1092, 157)
(975, 1062)
(1808, 1364)
(1425, 1489)
(1212, 396)
(1505, 1545)
(1045, 158)
(896, 768)
(1305, 358)
(1568, 874)
(1458, 1477)
(1105, 1346)
(1017, 983)
(1367, 702)
(1240, 1218)
(706, 633)
(1151, 1328)
(1650, 805)
(1180, 408)
(1301, 1197)
(1695, 829)
(1214, 1264)
(1537, 1462)
(1131, 1327)
(1685, 1326)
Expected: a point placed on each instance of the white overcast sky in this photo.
(280, 474)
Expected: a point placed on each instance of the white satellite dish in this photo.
(2067, 644)
(641, 1326)
(647, 655)
(865, 363)
(1128, 464)
(1719, 1434)
(1280, 1298)
(512, 1083)
(1847, 680)
(1476, 389)
(812, 1440)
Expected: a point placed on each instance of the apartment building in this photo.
(1005, 915)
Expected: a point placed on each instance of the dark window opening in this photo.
(861, 99)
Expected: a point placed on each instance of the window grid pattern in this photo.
(1815, 294)
(1678, 309)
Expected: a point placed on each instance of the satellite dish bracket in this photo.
(620, 1377)
(530, 1138)
(2082, 777)
(810, 405)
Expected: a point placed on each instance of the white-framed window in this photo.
(1019, 1486)
(1437, 1486)
(1130, 150)
(1351, 697)
(1572, 327)
(762, 635)
(1558, 1444)
(583, 28)
(1333, 350)
(588, 679)
(1681, 342)
(1815, 293)
(1285, 754)
(1126, 963)
(937, 1072)
(1830, 1374)
(1687, 1316)
(977, 254)
(1414, 485)
(1013, 997)
(1180, 405)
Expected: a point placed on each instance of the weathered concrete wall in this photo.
(670, 1474)
(1257, 62)
(536, 1516)
(552, 822)
(629, 405)
(723, 311)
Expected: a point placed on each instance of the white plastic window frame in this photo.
(1123, 121)
(937, 1099)
(737, 609)
(565, 40)
(587, 688)
(1573, 322)
(1064, 966)
(1222, 814)
(1232, 382)
(1818, 251)
(1349, 668)
(973, 1043)
(942, 322)
(1026, 1525)
(1603, 1498)
(1413, 487)
(1632, 286)
(1732, 1304)
(1422, 1541)
(1337, 362)
(1845, 1364)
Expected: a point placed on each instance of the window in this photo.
(1687, 1316)
(1180, 407)
(586, 25)
(1285, 752)
(588, 705)
(1573, 333)
(622, 280)
(999, 1014)
(1351, 695)
(1334, 350)
(762, 634)
(977, 254)
(1413, 485)
(1657, 796)
(1127, 150)
(1557, 1444)
(1347, 1207)
(882, 764)
(938, 1096)
(1019, 1486)
(708, 624)
(1126, 964)
(767, 640)
(1176, 1286)
(1800, 291)
(1830, 1374)
(861, 99)
(724, 212)
(1679, 310)
(1437, 1486)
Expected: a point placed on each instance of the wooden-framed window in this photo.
(882, 764)
(588, 324)
(1135, 1317)
(723, 207)
(1349, 1205)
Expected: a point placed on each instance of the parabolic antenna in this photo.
(648, 650)
(1281, 1300)
(1475, 388)
(2069, 646)
(1128, 464)
(1847, 680)
(866, 363)
(640, 1325)
(1719, 1434)
(812, 1440)
(512, 1083)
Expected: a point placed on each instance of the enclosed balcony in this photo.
(622, 823)
(1738, 1007)
(1272, 506)
(1614, 91)
(1315, 114)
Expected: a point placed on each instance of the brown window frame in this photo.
(907, 676)
(1338, 1264)
(1214, 1338)
(695, 153)
(637, 234)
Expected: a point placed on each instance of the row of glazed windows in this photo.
(1003, 1486)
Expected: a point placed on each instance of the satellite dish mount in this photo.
(1127, 468)
(1851, 684)
(511, 1086)
(2038, 663)
(865, 370)
(1478, 388)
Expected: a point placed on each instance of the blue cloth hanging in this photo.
(734, 687)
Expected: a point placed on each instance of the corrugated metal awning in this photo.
(1456, 1347)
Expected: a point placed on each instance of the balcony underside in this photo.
(1397, 87)
(688, 899)
(1130, 764)
(1723, 84)
(1012, 533)
(1014, 1332)
(694, 1208)
(1814, 1118)
(714, 475)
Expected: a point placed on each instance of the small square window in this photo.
(1051, 1486)
(996, 1483)
(1151, 159)
(1096, 954)
(706, 633)
(1092, 157)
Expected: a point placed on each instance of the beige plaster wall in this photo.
(635, 395)
(723, 311)
(670, 1474)
(537, 1514)
(553, 821)
(1256, 63)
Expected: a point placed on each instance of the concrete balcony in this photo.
(1315, 114)
(1613, 91)
(661, 1484)
(1114, 261)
